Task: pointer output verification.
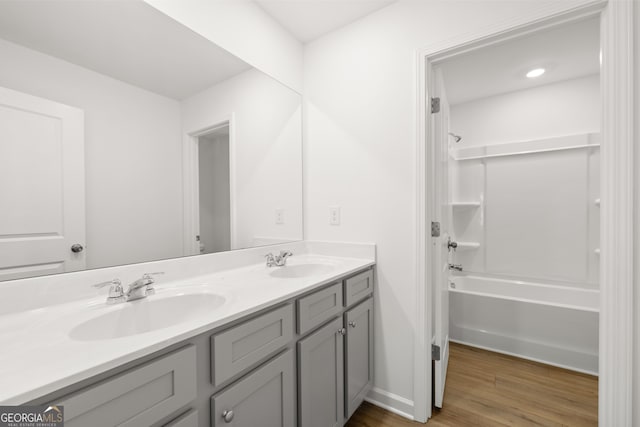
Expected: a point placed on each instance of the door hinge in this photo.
(435, 229)
(435, 352)
(435, 105)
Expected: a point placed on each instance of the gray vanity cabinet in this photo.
(265, 397)
(358, 355)
(321, 378)
(335, 363)
(304, 362)
(138, 397)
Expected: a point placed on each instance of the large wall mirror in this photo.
(125, 137)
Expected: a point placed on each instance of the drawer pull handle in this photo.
(342, 331)
(227, 416)
(352, 324)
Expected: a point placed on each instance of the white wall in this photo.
(245, 30)
(267, 151)
(360, 152)
(132, 141)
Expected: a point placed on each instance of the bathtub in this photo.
(557, 325)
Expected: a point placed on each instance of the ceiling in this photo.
(307, 20)
(127, 40)
(566, 52)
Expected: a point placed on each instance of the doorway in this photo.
(516, 180)
(214, 213)
(209, 188)
(616, 211)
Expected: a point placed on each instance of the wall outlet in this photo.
(279, 216)
(334, 215)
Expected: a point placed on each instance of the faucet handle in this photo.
(116, 293)
(150, 289)
(271, 259)
(115, 282)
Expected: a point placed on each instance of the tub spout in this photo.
(455, 267)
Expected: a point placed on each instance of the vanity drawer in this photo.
(358, 287)
(243, 346)
(315, 309)
(140, 396)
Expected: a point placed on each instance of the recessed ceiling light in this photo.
(536, 72)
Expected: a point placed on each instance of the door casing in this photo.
(617, 193)
(191, 188)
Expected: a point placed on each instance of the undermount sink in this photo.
(301, 270)
(146, 315)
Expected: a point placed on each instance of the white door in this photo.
(442, 214)
(42, 212)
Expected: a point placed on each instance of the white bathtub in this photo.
(553, 324)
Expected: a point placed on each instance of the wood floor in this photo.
(490, 389)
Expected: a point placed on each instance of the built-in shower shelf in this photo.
(468, 246)
(597, 202)
(569, 142)
(464, 206)
(597, 251)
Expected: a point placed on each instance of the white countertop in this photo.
(38, 356)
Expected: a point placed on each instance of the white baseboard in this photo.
(391, 402)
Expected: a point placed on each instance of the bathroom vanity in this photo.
(301, 357)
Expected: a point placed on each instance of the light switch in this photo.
(334, 215)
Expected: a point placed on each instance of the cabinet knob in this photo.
(227, 416)
(352, 324)
(77, 248)
(342, 331)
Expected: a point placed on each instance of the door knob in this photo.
(451, 244)
(77, 248)
(227, 416)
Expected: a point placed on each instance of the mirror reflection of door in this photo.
(214, 191)
(42, 207)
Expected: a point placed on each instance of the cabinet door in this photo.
(359, 355)
(265, 397)
(188, 419)
(320, 377)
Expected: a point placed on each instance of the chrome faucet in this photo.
(141, 288)
(279, 260)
